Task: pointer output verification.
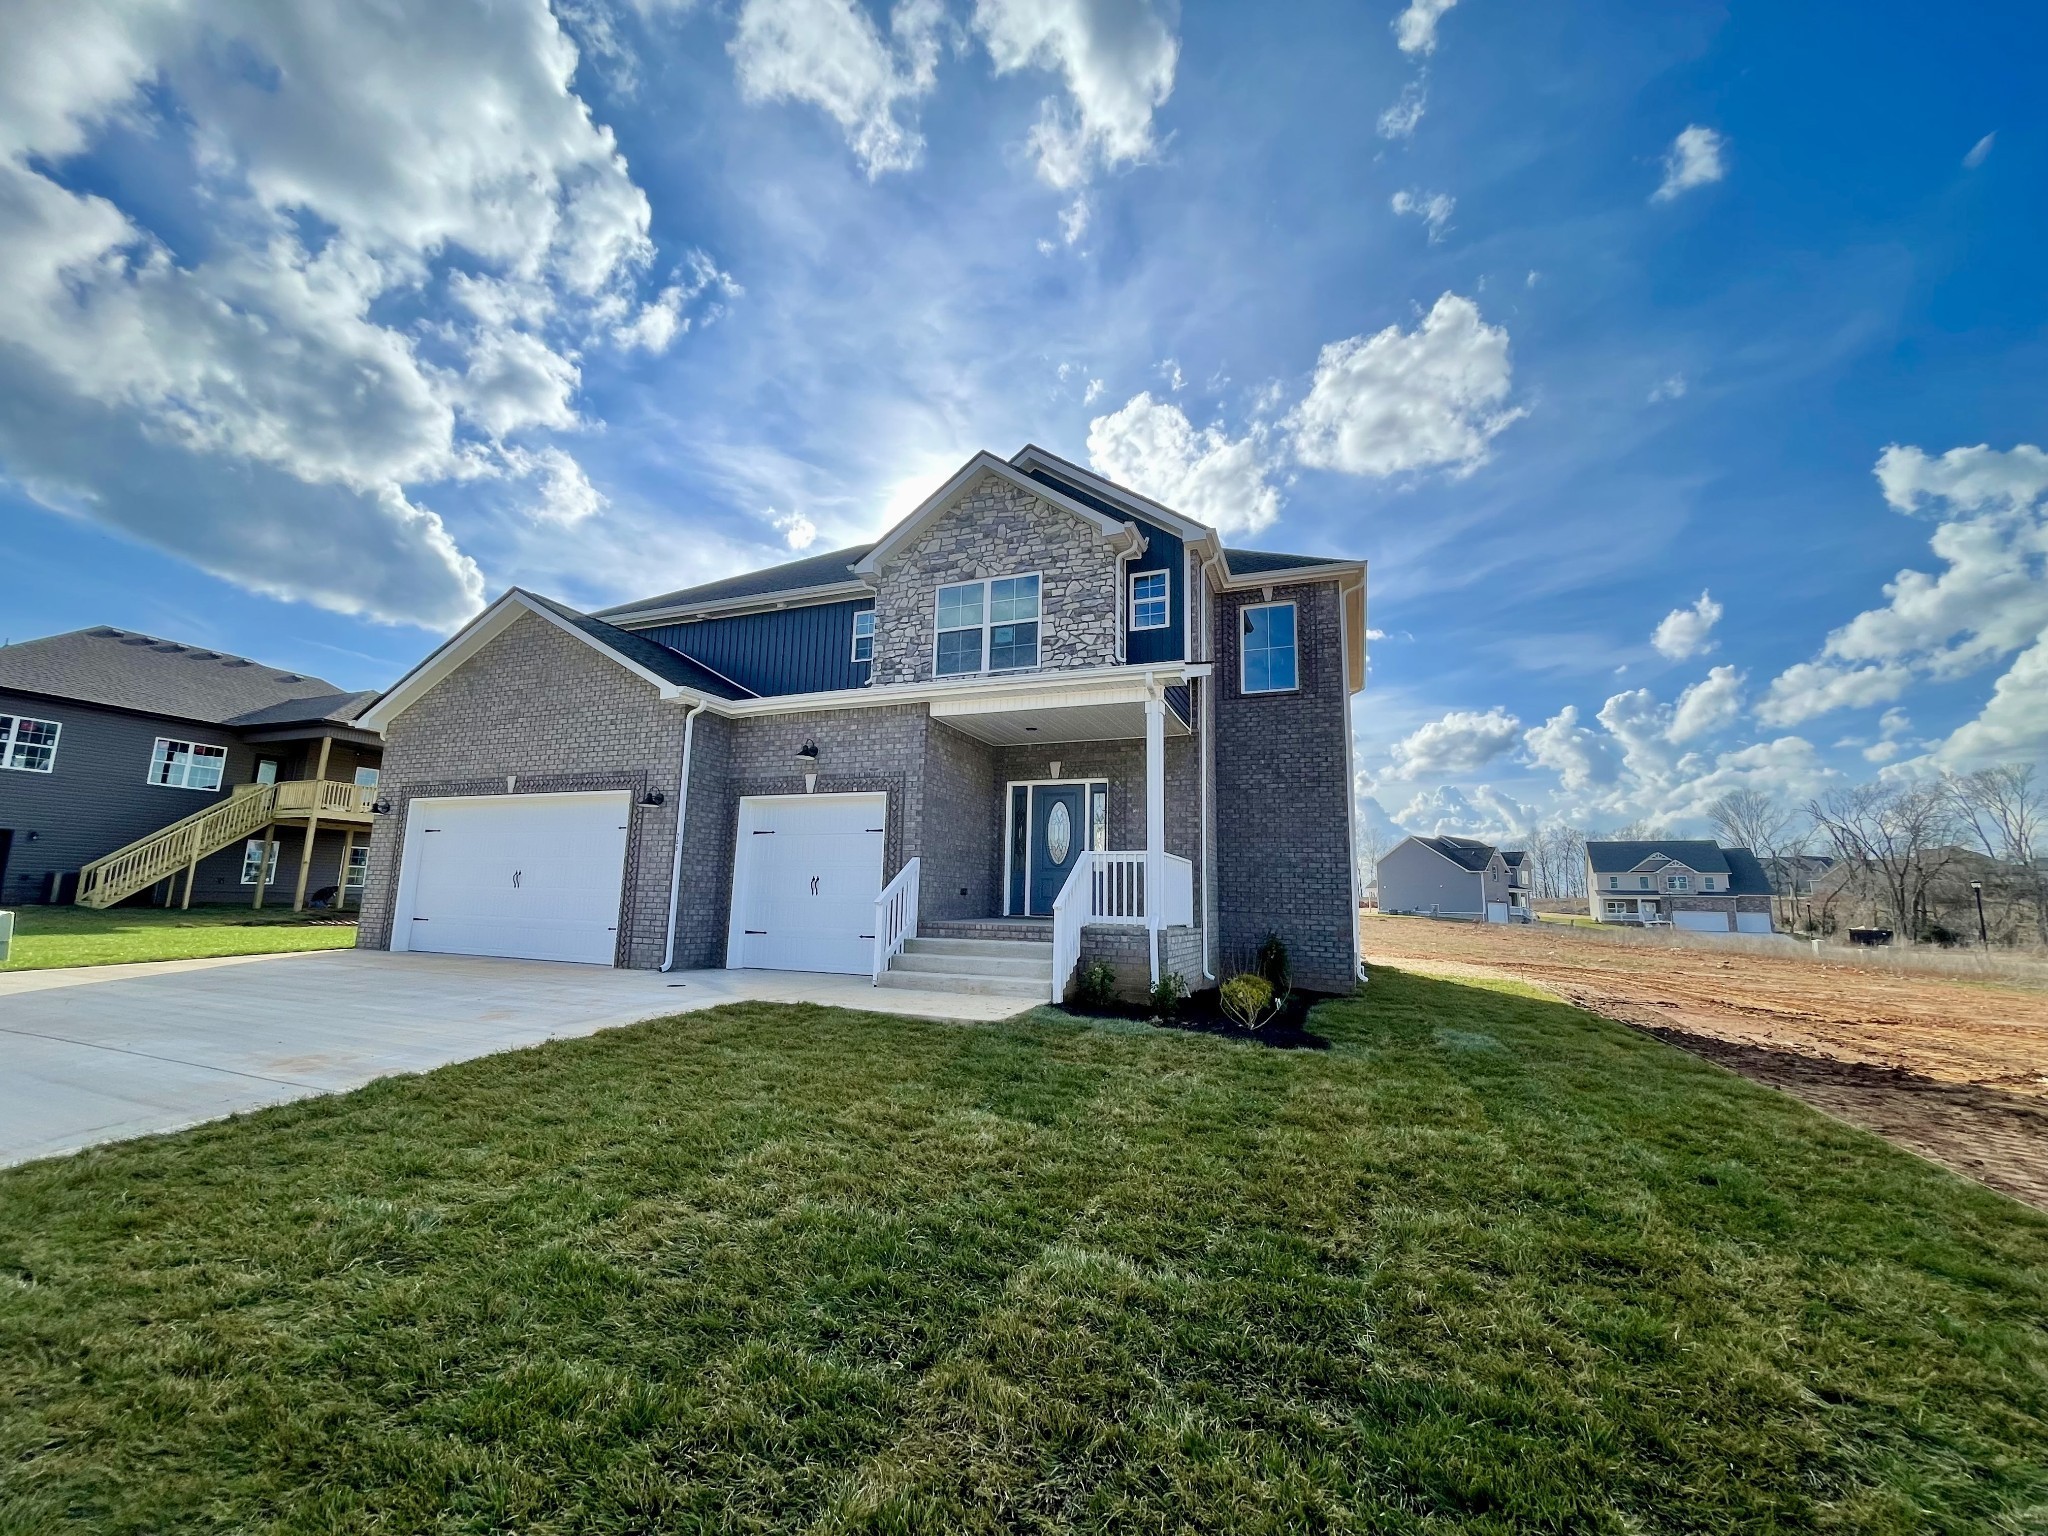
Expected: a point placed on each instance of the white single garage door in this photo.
(531, 877)
(805, 874)
(1496, 911)
(1701, 922)
(1753, 922)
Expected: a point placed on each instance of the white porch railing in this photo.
(895, 917)
(1110, 888)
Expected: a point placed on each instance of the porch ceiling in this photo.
(1037, 720)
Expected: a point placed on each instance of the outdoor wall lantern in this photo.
(653, 797)
(381, 808)
(807, 760)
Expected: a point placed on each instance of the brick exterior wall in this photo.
(1123, 950)
(544, 708)
(997, 529)
(1282, 777)
(962, 841)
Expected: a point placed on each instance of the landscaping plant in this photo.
(1168, 993)
(1096, 985)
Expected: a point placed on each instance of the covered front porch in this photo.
(1075, 806)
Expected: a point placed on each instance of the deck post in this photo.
(191, 869)
(1155, 822)
(263, 865)
(348, 848)
(312, 826)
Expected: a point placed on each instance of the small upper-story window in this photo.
(28, 745)
(1148, 600)
(1614, 882)
(864, 635)
(1642, 882)
(1681, 882)
(187, 764)
(1267, 659)
(366, 778)
(266, 770)
(987, 626)
(1706, 882)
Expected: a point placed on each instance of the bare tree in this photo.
(1641, 831)
(1898, 836)
(2003, 811)
(1749, 818)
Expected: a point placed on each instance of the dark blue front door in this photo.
(1058, 834)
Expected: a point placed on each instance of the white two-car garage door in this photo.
(534, 877)
(806, 871)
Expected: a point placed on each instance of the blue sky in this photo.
(1678, 369)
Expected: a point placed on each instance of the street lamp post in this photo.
(1983, 935)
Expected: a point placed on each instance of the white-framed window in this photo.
(187, 764)
(358, 866)
(987, 626)
(1148, 600)
(864, 635)
(1614, 882)
(1642, 882)
(1617, 908)
(366, 778)
(1681, 882)
(1266, 657)
(1706, 882)
(266, 770)
(28, 746)
(252, 855)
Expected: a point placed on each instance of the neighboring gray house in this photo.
(167, 771)
(1042, 718)
(1459, 877)
(1689, 883)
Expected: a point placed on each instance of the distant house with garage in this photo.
(1042, 720)
(135, 768)
(1458, 877)
(1694, 884)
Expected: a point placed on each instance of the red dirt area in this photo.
(1954, 1069)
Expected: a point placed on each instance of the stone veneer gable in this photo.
(998, 529)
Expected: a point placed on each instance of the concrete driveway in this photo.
(104, 1052)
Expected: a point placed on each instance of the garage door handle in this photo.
(757, 932)
(515, 878)
(814, 885)
(422, 919)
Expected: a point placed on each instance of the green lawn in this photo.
(53, 936)
(1490, 1265)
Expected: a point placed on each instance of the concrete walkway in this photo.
(99, 1053)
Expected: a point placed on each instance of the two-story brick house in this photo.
(1042, 717)
(1688, 883)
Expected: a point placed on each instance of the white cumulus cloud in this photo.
(1687, 632)
(1150, 446)
(1710, 705)
(1695, 159)
(1482, 812)
(1415, 28)
(830, 54)
(1461, 742)
(1117, 60)
(1434, 397)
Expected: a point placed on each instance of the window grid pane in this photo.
(33, 747)
(1012, 599)
(1148, 600)
(960, 651)
(960, 607)
(1012, 646)
(1269, 649)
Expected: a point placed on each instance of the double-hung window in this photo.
(29, 746)
(1267, 658)
(1681, 882)
(1706, 882)
(1148, 600)
(252, 855)
(358, 866)
(864, 635)
(187, 764)
(987, 626)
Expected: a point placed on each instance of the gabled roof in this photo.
(124, 670)
(1106, 495)
(1700, 855)
(1465, 852)
(1514, 858)
(672, 674)
(1110, 528)
(817, 575)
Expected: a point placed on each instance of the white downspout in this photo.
(675, 872)
(1207, 812)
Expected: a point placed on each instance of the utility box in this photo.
(6, 935)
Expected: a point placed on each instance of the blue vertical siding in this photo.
(1163, 552)
(786, 650)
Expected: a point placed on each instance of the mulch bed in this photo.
(1202, 1014)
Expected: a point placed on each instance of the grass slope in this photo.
(1491, 1264)
(46, 937)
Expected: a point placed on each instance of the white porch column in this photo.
(1155, 822)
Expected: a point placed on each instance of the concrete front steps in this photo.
(1018, 967)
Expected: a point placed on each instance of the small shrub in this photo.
(1248, 999)
(1168, 992)
(1096, 986)
(1272, 963)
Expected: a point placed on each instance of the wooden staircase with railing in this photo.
(178, 848)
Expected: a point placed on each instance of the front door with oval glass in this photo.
(1050, 825)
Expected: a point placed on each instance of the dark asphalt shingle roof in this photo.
(793, 576)
(1513, 857)
(125, 670)
(323, 709)
(1465, 852)
(1256, 562)
(1699, 854)
(1746, 876)
(670, 666)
